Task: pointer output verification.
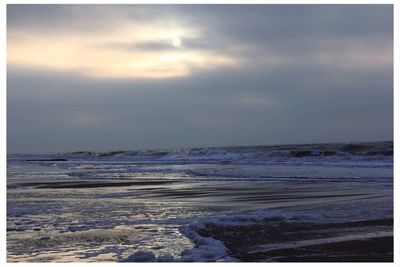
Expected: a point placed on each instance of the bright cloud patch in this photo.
(89, 54)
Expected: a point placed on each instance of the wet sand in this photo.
(89, 184)
(276, 240)
(295, 209)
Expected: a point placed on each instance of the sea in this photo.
(296, 203)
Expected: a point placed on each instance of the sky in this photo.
(125, 77)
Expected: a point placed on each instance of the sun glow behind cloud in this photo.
(89, 53)
(109, 76)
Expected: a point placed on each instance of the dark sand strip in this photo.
(364, 250)
(246, 242)
(296, 197)
(46, 160)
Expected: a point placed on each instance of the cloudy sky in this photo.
(104, 77)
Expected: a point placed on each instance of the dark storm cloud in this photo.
(293, 29)
(317, 89)
(291, 22)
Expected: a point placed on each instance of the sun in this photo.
(177, 42)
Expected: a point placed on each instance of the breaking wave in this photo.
(370, 151)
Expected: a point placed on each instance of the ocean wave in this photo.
(371, 152)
